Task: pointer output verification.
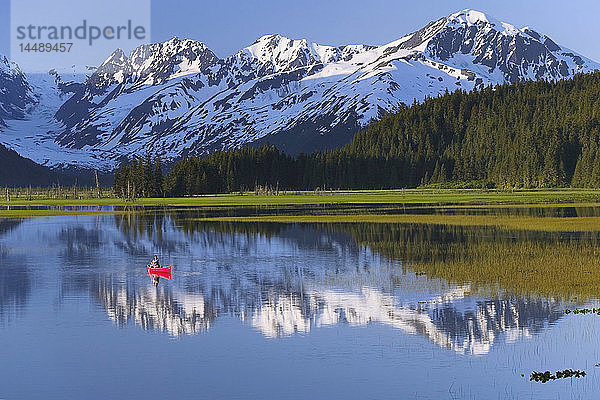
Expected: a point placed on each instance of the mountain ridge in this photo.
(178, 98)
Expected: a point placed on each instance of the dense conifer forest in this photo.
(522, 135)
(19, 171)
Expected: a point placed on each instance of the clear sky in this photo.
(227, 26)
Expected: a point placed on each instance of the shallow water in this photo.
(269, 311)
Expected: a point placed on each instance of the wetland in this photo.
(353, 300)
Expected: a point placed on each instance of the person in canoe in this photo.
(154, 263)
(155, 270)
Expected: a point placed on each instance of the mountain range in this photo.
(178, 98)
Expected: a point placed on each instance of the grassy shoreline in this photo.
(439, 199)
(400, 196)
(434, 198)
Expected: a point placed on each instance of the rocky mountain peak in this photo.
(113, 70)
(278, 53)
(177, 98)
(472, 37)
(154, 63)
(470, 17)
(16, 94)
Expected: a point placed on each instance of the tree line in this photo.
(520, 135)
(139, 178)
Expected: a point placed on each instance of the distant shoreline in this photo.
(402, 197)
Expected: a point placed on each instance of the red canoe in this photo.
(163, 272)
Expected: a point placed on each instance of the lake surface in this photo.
(275, 311)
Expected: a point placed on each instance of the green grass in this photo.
(408, 196)
(564, 270)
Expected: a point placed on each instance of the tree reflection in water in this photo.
(288, 278)
(15, 277)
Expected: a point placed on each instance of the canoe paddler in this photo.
(154, 263)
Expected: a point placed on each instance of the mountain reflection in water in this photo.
(281, 279)
(284, 279)
(449, 320)
(15, 282)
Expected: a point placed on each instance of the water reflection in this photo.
(15, 285)
(15, 277)
(286, 279)
(154, 309)
(377, 208)
(444, 320)
(449, 320)
(280, 279)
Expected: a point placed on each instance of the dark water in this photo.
(266, 311)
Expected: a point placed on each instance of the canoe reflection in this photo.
(156, 273)
(155, 279)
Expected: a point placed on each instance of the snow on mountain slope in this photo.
(33, 136)
(69, 80)
(16, 95)
(177, 98)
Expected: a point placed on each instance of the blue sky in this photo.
(227, 26)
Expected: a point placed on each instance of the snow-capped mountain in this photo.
(16, 95)
(178, 98)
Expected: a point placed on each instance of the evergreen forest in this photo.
(521, 135)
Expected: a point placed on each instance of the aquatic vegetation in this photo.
(504, 253)
(432, 197)
(493, 261)
(546, 376)
(583, 311)
(554, 224)
(560, 269)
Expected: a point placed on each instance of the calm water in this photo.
(267, 311)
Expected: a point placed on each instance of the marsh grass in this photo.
(564, 270)
(401, 196)
(551, 224)
(492, 261)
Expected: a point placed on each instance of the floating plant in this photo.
(583, 311)
(547, 376)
